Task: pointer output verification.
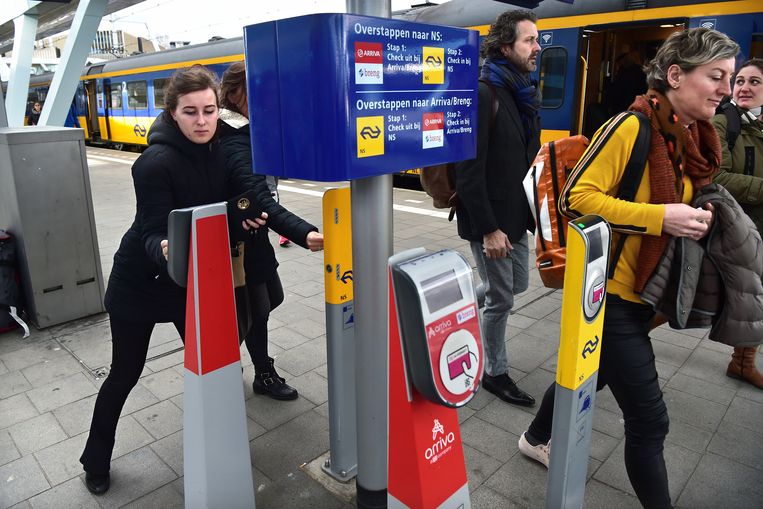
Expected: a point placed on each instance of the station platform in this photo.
(49, 381)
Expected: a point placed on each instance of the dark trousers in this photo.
(263, 298)
(627, 367)
(128, 357)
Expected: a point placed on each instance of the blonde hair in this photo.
(688, 49)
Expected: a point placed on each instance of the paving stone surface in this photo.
(48, 386)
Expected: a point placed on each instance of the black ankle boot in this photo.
(269, 383)
(97, 484)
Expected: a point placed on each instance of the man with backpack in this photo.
(493, 214)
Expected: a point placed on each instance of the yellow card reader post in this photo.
(583, 302)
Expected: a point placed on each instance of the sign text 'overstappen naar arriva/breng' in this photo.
(402, 104)
(398, 33)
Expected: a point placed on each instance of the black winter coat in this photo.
(172, 173)
(489, 187)
(235, 149)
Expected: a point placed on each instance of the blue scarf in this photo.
(525, 91)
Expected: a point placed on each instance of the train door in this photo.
(558, 66)
(91, 92)
(118, 130)
(106, 94)
(615, 55)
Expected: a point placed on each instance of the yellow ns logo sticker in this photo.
(433, 65)
(370, 134)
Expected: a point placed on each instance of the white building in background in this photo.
(107, 45)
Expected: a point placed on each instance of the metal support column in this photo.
(64, 84)
(371, 249)
(25, 28)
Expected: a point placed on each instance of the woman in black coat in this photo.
(262, 281)
(177, 170)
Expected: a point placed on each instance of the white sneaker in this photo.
(539, 453)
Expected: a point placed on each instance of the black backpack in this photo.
(439, 181)
(733, 121)
(10, 293)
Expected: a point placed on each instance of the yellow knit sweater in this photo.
(594, 193)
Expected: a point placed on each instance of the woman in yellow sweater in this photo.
(687, 79)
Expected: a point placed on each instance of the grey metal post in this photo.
(571, 432)
(84, 26)
(25, 27)
(371, 249)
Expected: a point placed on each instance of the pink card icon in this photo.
(456, 361)
(598, 293)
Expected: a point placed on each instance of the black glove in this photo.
(243, 206)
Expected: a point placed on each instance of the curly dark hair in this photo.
(504, 31)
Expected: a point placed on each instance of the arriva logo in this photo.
(369, 53)
(440, 327)
(442, 445)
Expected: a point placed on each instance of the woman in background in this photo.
(262, 281)
(742, 175)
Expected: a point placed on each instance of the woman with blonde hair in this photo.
(687, 79)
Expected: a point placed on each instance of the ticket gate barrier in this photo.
(216, 460)
(435, 366)
(340, 335)
(583, 303)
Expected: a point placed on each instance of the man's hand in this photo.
(496, 245)
(165, 248)
(681, 220)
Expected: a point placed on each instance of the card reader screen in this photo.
(441, 290)
(594, 245)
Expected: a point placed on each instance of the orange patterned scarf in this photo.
(675, 151)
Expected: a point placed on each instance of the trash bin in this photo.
(45, 201)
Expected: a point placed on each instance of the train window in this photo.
(81, 98)
(137, 94)
(159, 85)
(553, 70)
(116, 96)
(99, 94)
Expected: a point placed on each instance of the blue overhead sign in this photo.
(337, 97)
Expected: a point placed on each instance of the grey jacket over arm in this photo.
(716, 282)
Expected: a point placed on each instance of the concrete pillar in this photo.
(65, 80)
(25, 28)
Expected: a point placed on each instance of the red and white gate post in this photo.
(216, 459)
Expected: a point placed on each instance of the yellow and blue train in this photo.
(116, 102)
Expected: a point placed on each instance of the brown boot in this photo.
(742, 366)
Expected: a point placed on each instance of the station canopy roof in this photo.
(53, 16)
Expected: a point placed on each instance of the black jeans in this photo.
(128, 357)
(627, 367)
(263, 298)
